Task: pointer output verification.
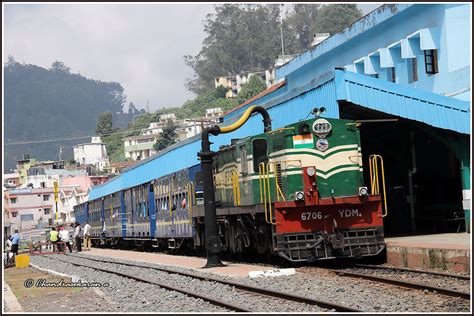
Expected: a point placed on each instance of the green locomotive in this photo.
(297, 192)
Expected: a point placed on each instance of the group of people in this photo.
(57, 234)
(62, 235)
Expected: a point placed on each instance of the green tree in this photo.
(246, 37)
(211, 98)
(240, 37)
(333, 18)
(254, 86)
(60, 66)
(301, 21)
(167, 138)
(104, 125)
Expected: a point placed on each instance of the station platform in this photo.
(236, 270)
(448, 252)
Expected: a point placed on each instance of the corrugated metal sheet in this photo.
(184, 154)
(404, 101)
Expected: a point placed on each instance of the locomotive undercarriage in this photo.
(241, 234)
(349, 243)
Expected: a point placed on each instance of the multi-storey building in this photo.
(29, 208)
(23, 165)
(93, 153)
(140, 147)
(11, 180)
(234, 82)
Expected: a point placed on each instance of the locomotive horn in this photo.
(213, 242)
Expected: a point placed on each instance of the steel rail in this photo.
(244, 287)
(369, 266)
(168, 287)
(406, 284)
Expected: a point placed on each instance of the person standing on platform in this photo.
(78, 233)
(15, 242)
(64, 235)
(54, 238)
(87, 236)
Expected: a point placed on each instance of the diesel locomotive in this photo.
(296, 192)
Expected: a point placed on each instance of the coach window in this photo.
(259, 152)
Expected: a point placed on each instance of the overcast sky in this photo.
(140, 46)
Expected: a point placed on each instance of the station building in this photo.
(403, 71)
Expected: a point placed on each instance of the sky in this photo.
(139, 45)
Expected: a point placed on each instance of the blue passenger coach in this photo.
(158, 212)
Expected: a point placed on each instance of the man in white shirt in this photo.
(78, 232)
(87, 236)
(64, 235)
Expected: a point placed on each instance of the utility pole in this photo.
(60, 152)
(56, 200)
(281, 33)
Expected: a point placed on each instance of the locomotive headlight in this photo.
(363, 191)
(299, 195)
(311, 171)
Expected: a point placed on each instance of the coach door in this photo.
(129, 213)
(151, 209)
(123, 217)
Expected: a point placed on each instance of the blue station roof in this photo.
(403, 101)
(289, 106)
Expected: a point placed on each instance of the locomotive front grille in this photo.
(318, 246)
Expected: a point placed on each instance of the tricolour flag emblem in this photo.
(303, 141)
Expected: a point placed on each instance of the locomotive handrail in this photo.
(291, 160)
(374, 179)
(260, 179)
(261, 173)
(236, 188)
(278, 191)
(264, 176)
(265, 191)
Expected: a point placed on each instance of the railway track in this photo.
(368, 266)
(248, 289)
(384, 278)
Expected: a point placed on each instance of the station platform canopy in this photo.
(403, 101)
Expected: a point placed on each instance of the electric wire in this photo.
(64, 138)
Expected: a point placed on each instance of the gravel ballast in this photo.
(360, 294)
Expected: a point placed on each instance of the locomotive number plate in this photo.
(306, 216)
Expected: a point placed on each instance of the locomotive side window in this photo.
(243, 159)
(259, 152)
